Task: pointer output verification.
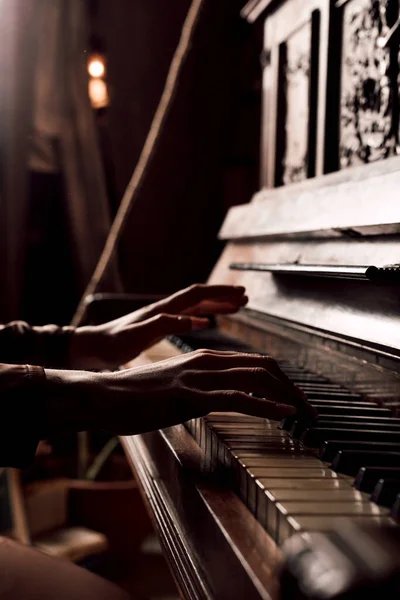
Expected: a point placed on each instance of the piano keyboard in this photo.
(297, 477)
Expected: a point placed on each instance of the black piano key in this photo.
(305, 378)
(304, 420)
(386, 491)
(352, 404)
(299, 427)
(368, 477)
(305, 375)
(333, 395)
(343, 413)
(324, 423)
(288, 422)
(315, 437)
(351, 410)
(360, 419)
(342, 421)
(322, 386)
(349, 462)
(307, 384)
(396, 509)
(331, 448)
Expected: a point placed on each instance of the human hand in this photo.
(116, 342)
(175, 390)
(198, 299)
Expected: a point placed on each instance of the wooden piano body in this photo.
(343, 327)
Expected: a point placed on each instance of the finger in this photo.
(204, 291)
(211, 303)
(199, 292)
(217, 307)
(299, 398)
(220, 360)
(232, 400)
(255, 380)
(227, 359)
(231, 358)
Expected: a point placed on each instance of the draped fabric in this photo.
(17, 59)
(86, 199)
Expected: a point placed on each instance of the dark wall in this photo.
(207, 156)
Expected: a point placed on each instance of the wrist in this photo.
(69, 401)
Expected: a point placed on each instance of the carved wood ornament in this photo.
(369, 86)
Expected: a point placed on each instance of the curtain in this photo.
(86, 198)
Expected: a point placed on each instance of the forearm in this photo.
(48, 346)
(124, 403)
(37, 404)
(118, 402)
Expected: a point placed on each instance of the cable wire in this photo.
(139, 173)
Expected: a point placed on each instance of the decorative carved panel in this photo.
(297, 79)
(369, 84)
(295, 65)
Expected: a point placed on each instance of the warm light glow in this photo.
(381, 42)
(98, 93)
(96, 67)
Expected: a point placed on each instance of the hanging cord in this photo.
(146, 155)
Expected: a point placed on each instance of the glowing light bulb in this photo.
(96, 67)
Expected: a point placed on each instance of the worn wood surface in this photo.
(335, 205)
(294, 91)
(215, 547)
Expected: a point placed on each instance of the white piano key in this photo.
(274, 497)
(280, 462)
(309, 485)
(248, 478)
(303, 523)
(278, 518)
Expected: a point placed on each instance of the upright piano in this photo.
(318, 250)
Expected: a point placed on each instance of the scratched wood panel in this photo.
(295, 61)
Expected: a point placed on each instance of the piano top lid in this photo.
(324, 223)
(352, 203)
